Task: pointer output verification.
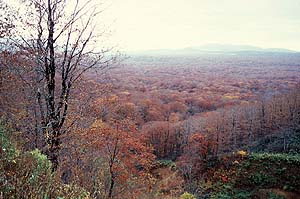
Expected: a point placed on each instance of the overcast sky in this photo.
(151, 24)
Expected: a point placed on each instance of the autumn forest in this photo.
(79, 121)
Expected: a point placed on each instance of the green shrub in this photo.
(244, 179)
(262, 179)
(276, 158)
(241, 194)
(167, 163)
(187, 195)
(221, 195)
(28, 175)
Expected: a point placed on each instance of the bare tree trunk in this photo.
(57, 46)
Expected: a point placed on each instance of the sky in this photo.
(172, 24)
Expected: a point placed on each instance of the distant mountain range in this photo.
(213, 49)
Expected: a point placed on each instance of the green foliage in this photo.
(269, 170)
(221, 195)
(42, 167)
(261, 179)
(167, 163)
(222, 190)
(243, 194)
(187, 195)
(276, 158)
(8, 160)
(28, 174)
(227, 190)
(8, 149)
(243, 178)
(272, 195)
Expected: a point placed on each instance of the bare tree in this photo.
(62, 46)
(7, 16)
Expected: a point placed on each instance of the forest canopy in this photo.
(78, 120)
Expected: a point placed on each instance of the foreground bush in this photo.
(28, 174)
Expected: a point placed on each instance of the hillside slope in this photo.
(261, 176)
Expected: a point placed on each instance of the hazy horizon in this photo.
(222, 47)
(175, 24)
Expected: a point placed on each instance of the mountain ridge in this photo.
(214, 49)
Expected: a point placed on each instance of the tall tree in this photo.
(61, 45)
